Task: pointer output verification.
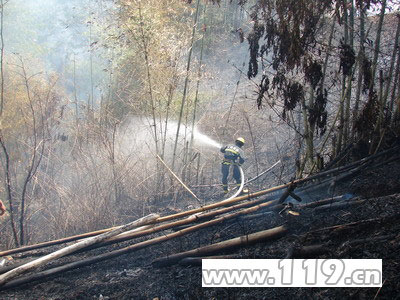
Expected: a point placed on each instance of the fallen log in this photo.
(295, 197)
(222, 203)
(384, 162)
(72, 248)
(358, 166)
(341, 169)
(16, 264)
(151, 230)
(245, 240)
(312, 187)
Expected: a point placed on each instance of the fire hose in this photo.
(240, 187)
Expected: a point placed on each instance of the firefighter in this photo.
(2, 208)
(233, 156)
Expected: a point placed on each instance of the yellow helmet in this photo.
(240, 140)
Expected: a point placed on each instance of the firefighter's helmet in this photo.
(240, 140)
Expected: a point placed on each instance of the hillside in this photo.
(363, 225)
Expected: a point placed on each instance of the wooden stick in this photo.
(286, 193)
(72, 248)
(177, 178)
(221, 246)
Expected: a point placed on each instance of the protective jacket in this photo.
(232, 155)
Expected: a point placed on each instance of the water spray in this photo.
(202, 138)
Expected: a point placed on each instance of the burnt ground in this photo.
(132, 276)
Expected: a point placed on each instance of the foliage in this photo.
(317, 114)
(32, 111)
(289, 40)
(313, 73)
(140, 30)
(347, 58)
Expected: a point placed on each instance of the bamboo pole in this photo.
(72, 248)
(221, 246)
(54, 242)
(287, 193)
(177, 178)
(196, 97)
(185, 87)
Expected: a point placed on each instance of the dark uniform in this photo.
(233, 156)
